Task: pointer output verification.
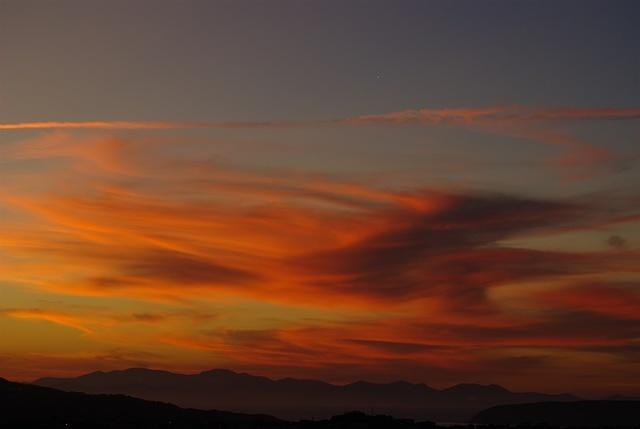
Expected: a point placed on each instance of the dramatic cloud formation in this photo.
(185, 262)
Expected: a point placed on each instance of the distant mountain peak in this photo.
(136, 371)
(143, 370)
(220, 371)
(477, 388)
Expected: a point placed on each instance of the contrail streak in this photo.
(424, 116)
(133, 125)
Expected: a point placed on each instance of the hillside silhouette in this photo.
(566, 414)
(32, 407)
(24, 405)
(295, 399)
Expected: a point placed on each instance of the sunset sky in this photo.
(435, 191)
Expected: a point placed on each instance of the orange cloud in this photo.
(616, 300)
(47, 315)
(402, 279)
(299, 239)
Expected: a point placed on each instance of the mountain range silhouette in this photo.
(34, 407)
(295, 399)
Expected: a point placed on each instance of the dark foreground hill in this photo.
(24, 405)
(32, 407)
(567, 414)
(298, 399)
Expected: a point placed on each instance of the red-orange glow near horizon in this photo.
(298, 268)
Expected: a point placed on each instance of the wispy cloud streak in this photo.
(424, 116)
(580, 158)
(136, 125)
